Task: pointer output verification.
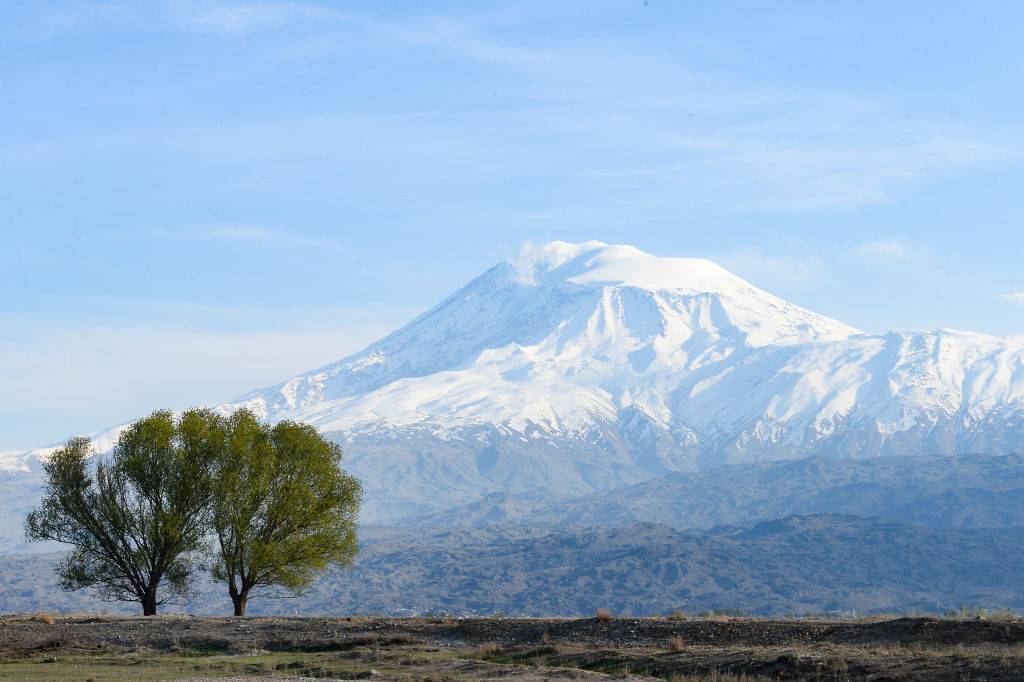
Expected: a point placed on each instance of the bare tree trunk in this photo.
(149, 604)
(239, 597)
(240, 603)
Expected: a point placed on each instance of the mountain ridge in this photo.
(968, 491)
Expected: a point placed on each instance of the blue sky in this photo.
(203, 197)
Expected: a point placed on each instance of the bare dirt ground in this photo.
(43, 647)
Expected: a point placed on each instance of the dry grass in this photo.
(132, 648)
(603, 615)
(838, 666)
(44, 618)
(714, 676)
(486, 650)
(677, 614)
(721, 617)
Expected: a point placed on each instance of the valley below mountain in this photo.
(796, 565)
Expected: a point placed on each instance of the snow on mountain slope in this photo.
(579, 367)
(553, 338)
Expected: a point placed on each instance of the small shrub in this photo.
(603, 615)
(723, 614)
(838, 667)
(676, 644)
(44, 618)
(546, 637)
(677, 614)
(486, 650)
(973, 612)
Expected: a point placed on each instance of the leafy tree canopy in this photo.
(135, 518)
(283, 510)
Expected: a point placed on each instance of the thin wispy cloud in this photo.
(239, 17)
(184, 367)
(192, 16)
(796, 270)
(608, 126)
(97, 362)
(886, 252)
(145, 313)
(251, 234)
(1014, 297)
(257, 233)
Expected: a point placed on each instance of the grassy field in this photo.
(705, 648)
(110, 667)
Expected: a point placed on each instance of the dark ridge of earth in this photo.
(528, 649)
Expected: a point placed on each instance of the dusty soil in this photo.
(183, 647)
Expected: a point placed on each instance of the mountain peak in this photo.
(610, 324)
(595, 263)
(535, 262)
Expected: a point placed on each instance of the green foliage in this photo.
(974, 612)
(730, 613)
(136, 518)
(276, 499)
(282, 508)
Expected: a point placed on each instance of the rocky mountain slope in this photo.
(968, 491)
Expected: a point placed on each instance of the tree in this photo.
(134, 518)
(283, 510)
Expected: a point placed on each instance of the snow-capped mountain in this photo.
(565, 334)
(583, 366)
(578, 367)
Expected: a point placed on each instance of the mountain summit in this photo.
(579, 367)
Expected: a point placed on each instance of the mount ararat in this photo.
(583, 367)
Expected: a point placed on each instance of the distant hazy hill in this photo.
(793, 565)
(941, 492)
